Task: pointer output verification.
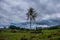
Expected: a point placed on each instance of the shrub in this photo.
(13, 31)
(0, 30)
(2, 39)
(23, 38)
(58, 38)
(49, 36)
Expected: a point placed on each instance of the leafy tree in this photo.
(31, 15)
(54, 27)
(17, 28)
(12, 27)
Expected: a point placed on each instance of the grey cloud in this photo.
(15, 10)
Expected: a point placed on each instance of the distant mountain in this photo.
(50, 22)
(43, 23)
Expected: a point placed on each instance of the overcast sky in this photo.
(14, 11)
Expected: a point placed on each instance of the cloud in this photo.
(14, 11)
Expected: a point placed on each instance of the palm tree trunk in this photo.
(30, 23)
(30, 30)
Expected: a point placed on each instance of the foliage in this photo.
(13, 31)
(12, 27)
(54, 27)
(24, 34)
(36, 35)
(23, 38)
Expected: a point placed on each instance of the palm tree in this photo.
(31, 15)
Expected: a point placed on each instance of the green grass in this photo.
(36, 36)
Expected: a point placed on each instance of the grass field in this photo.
(44, 35)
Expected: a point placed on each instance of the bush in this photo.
(37, 31)
(58, 38)
(2, 39)
(13, 31)
(23, 38)
(0, 30)
(49, 36)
